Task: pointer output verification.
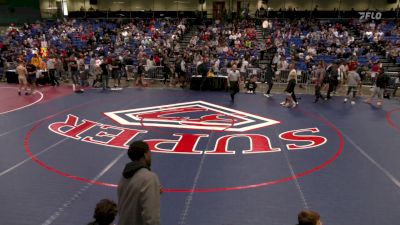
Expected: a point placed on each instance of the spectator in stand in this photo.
(83, 72)
(150, 64)
(382, 81)
(166, 70)
(293, 73)
(202, 69)
(343, 70)
(269, 78)
(216, 65)
(319, 75)
(183, 72)
(104, 73)
(59, 68)
(333, 79)
(282, 66)
(289, 101)
(2, 62)
(51, 66)
(376, 66)
(73, 68)
(244, 64)
(32, 73)
(353, 80)
(104, 213)
(116, 71)
(139, 81)
(36, 61)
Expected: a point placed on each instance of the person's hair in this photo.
(105, 212)
(308, 217)
(137, 149)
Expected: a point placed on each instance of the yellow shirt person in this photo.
(36, 61)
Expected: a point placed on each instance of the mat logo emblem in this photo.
(197, 115)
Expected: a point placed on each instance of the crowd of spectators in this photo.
(149, 43)
(89, 43)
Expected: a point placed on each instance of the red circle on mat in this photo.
(389, 116)
(10, 101)
(267, 183)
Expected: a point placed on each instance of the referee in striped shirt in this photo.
(233, 81)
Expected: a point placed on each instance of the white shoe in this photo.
(353, 102)
(294, 105)
(267, 95)
(282, 103)
(345, 100)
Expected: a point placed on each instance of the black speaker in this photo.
(391, 1)
(93, 2)
(202, 1)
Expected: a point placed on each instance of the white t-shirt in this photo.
(50, 64)
(265, 24)
(283, 65)
(183, 66)
(244, 66)
(216, 65)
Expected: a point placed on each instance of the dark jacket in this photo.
(269, 74)
(382, 81)
(290, 86)
(202, 69)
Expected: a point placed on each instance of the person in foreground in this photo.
(104, 213)
(139, 189)
(308, 217)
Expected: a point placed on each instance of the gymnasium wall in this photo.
(192, 5)
(19, 11)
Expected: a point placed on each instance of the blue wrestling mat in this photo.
(251, 162)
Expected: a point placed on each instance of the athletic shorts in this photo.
(22, 80)
(116, 74)
(32, 79)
